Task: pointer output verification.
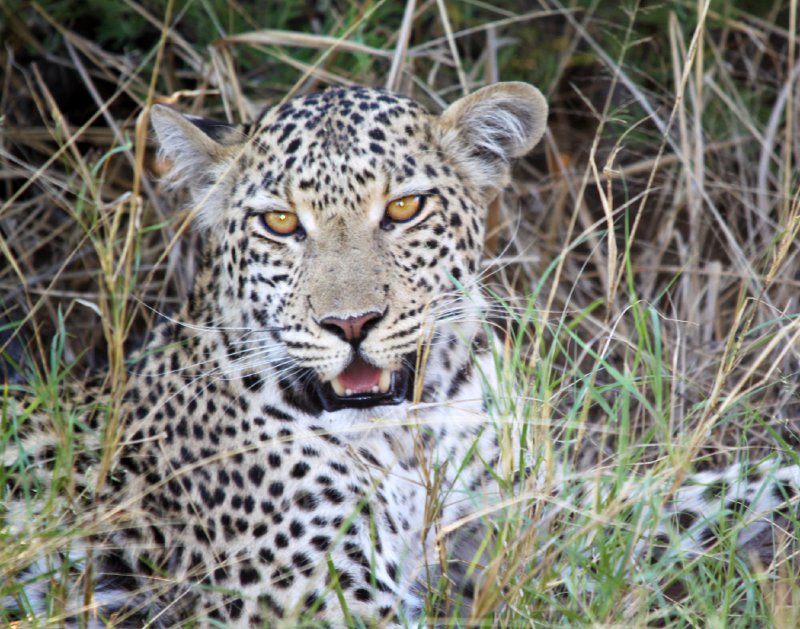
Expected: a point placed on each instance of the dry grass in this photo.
(647, 251)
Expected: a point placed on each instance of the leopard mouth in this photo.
(362, 385)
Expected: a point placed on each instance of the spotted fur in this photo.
(239, 499)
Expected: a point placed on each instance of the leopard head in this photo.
(341, 228)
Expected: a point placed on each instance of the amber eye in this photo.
(405, 208)
(281, 223)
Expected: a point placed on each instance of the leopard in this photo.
(285, 433)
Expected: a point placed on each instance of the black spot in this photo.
(339, 467)
(287, 131)
(282, 577)
(739, 507)
(684, 520)
(783, 491)
(256, 475)
(302, 563)
(363, 595)
(368, 456)
(300, 469)
(459, 379)
(203, 534)
(276, 489)
(248, 575)
(297, 529)
(265, 600)
(715, 490)
(325, 480)
(265, 555)
(314, 602)
(293, 145)
(345, 579)
(234, 607)
(708, 536)
(253, 382)
(220, 574)
(237, 478)
(276, 413)
(355, 553)
(305, 500)
(333, 495)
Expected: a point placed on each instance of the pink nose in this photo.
(351, 328)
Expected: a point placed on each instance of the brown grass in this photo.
(656, 225)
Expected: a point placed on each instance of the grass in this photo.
(645, 257)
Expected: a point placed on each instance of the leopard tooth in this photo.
(349, 392)
(385, 381)
(338, 388)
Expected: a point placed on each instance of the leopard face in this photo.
(341, 227)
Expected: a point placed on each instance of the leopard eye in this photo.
(281, 223)
(405, 208)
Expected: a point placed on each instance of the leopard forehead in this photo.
(335, 150)
(332, 152)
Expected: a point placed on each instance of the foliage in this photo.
(644, 263)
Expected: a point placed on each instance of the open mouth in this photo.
(362, 385)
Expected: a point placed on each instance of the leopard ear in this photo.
(488, 128)
(199, 153)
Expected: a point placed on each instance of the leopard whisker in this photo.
(206, 328)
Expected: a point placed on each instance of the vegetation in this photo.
(644, 261)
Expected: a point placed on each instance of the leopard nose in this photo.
(351, 329)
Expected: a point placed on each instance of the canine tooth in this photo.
(338, 389)
(385, 381)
